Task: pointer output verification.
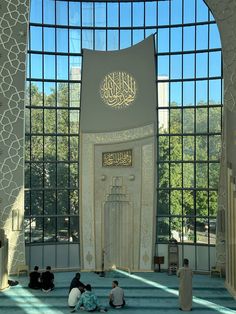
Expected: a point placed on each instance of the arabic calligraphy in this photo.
(117, 159)
(118, 90)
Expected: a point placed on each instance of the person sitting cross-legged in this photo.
(47, 279)
(35, 282)
(116, 296)
(88, 301)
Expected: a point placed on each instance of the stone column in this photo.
(14, 16)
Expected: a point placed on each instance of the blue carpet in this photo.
(145, 293)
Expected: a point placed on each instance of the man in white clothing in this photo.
(185, 275)
(74, 296)
(116, 296)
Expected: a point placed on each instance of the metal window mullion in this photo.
(56, 98)
(169, 126)
(182, 125)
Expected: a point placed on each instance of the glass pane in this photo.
(201, 230)
(62, 40)
(189, 11)
(188, 66)
(62, 95)
(176, 202)
(35, 38)
(125, 14)
(163, 175)
(62, 176)
(112, 40)
(201, 148)
(202, 36)
(36, 66)
(188, 175)
(37, 121)
(49, 148)
(74, 95)
(49, 121)
(176, 12)
(188, 230)
(188, 94)
(163, 229)
(49, 229)
(36, 225)
(163, 120)
(213, 203)
(49, 39)
(87, 38)
(215, 59)
(62, 121)
(138, 35)
(36, 90)
(75, 68)
(176, 39)
(62, 67)
(163, 202)
(63, 229)
(214, 147)
(163, 67)
(50, 174)
(37, 148)
(48, 12)
(189, 38)
(74, 122)
(176, 94)
(36, 11)
(150, 13)
(201, 175)
(163, 40)
(62, 202)
(215, 92)
(188, 148)
(201, 64)
(138, 14)
(100, 14)
(214, 171)
(176, 175)
(176, 66)
(74, 148)
(62, 12)
(100, 39)
(188, 120)
(176, 229)
(74, 13)
(49, 94)
(214, 37)
(74, 175)
(125, 39)
(201, 203)
(212, 231)
(188, 202)
(215, 119)
(176, 148)
(62, 148)
(74, 202)
(163, 148)
(201, 93)
(49, 202)
(163, 12)
(87, 14)
(36, 203)
(74, 229)
(201, 120)
(202, 11)
(112, 14)
(175, 121)
(49, 67)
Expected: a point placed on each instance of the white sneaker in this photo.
(118, 307)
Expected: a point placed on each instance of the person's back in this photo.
(116, 296)
(74, 295)
(35, 279)
(47, 279)
(76, 283)
(185, 286)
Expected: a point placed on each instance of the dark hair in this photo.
(48, 267)
(36, 268)
(115, 282)
(186, 262)
(88, 287)
(77, 275)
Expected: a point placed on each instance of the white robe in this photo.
(185, 275)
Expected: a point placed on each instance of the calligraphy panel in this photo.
(117, 159)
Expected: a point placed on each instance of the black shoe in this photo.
(180, 309)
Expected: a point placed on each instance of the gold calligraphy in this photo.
(117, 159)
(118, 90)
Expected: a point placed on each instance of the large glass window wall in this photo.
(189, 111)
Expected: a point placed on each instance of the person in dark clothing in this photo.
(35, 282)
(76, 283)
(47, 279)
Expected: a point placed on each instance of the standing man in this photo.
(185, 275)
(116, 296)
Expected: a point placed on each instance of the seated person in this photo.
(88, 301)
(76, 283)
(74, 296)
(116, 296)
(35, 282)
(47, 279)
